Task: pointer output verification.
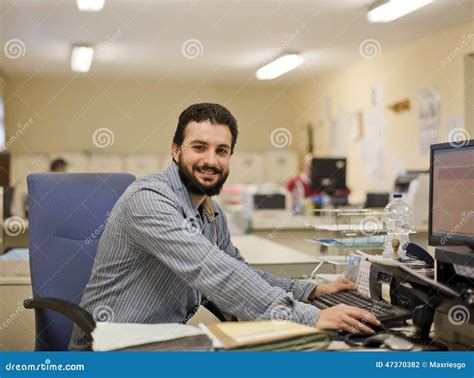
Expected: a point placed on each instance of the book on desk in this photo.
(238, 336)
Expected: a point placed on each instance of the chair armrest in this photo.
(70, 310)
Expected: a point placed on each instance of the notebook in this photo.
(265, 336)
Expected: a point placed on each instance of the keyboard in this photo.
(387, 313)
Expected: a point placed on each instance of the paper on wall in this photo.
(356, 126)
(397, 166)
(428, 118)
(377, 96)
(371, 145)
(339, 132)
(453, 123)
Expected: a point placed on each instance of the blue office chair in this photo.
(67, 214)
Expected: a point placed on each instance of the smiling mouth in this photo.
(207, 173)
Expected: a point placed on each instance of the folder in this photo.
(266, 336)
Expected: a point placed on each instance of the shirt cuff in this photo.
(302, 289)
(306, 314)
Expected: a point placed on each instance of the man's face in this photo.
(60, 169)
(203, 158)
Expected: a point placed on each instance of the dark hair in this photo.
(55, 164)
(214, 113)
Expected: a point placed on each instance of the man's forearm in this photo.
(302, 290)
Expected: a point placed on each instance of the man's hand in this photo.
(333, 287)
(348, 318)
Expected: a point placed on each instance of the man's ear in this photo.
(176, 151)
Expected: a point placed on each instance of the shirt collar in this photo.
(173, 174)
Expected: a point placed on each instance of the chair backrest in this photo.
(67, 215)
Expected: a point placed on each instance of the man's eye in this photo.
(222, 152)
(199, 148)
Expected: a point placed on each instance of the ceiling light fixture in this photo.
(279, 66)
(90, 5)
(81, 58)
(389, 10)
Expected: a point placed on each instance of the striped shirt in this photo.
(159, 255)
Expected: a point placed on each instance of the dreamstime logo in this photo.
(281, 314)
(282, 224)
(281, 137)
(458, 137)
(21, 129)
(98, 231)
(103, 313)
(203, 127)
(370, 48)
(465, 217)
(376, 307)
(14, 226)
(284, 46)
(458, 315)
(192, 48)
(103, 137)
(110, 39)
(456, 51)
(14, 49)
(370, 226)
(191, 226)
(12, 317)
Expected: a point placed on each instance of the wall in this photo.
(141, 114)
(435, 61)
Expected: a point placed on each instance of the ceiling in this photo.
(193, 39)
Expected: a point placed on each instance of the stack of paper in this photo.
(266, 336)
(126, 336)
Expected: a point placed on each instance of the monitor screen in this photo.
(328, 174)
(452, 194)
(269, 201)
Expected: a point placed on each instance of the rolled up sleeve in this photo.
(155, 223)
(301, 289)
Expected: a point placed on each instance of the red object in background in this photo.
(290, 185)
(307, 188)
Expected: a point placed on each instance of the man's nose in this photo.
(210, 158)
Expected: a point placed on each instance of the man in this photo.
(166, 245)
(19, 206)
(302, 182)
(58, 165)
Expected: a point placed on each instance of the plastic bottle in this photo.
(398, 221)
(298, 199)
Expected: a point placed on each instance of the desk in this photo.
(274, 258)
(18, 328)
(16, 233)
(268, 220)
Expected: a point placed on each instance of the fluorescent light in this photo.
(90, 5)
(389, 10)
(279, 66)
(81, 58)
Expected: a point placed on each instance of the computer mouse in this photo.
(398, 343)
(376, 341)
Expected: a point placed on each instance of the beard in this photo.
(192, 184)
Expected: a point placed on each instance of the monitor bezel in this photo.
(437, 240)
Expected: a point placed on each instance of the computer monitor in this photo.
(402, 182)
(328, 174)
(272, 201)
(418, 198)
(7, 201)
(377, 200)
(451, 218)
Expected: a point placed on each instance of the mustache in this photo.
(206, 167)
